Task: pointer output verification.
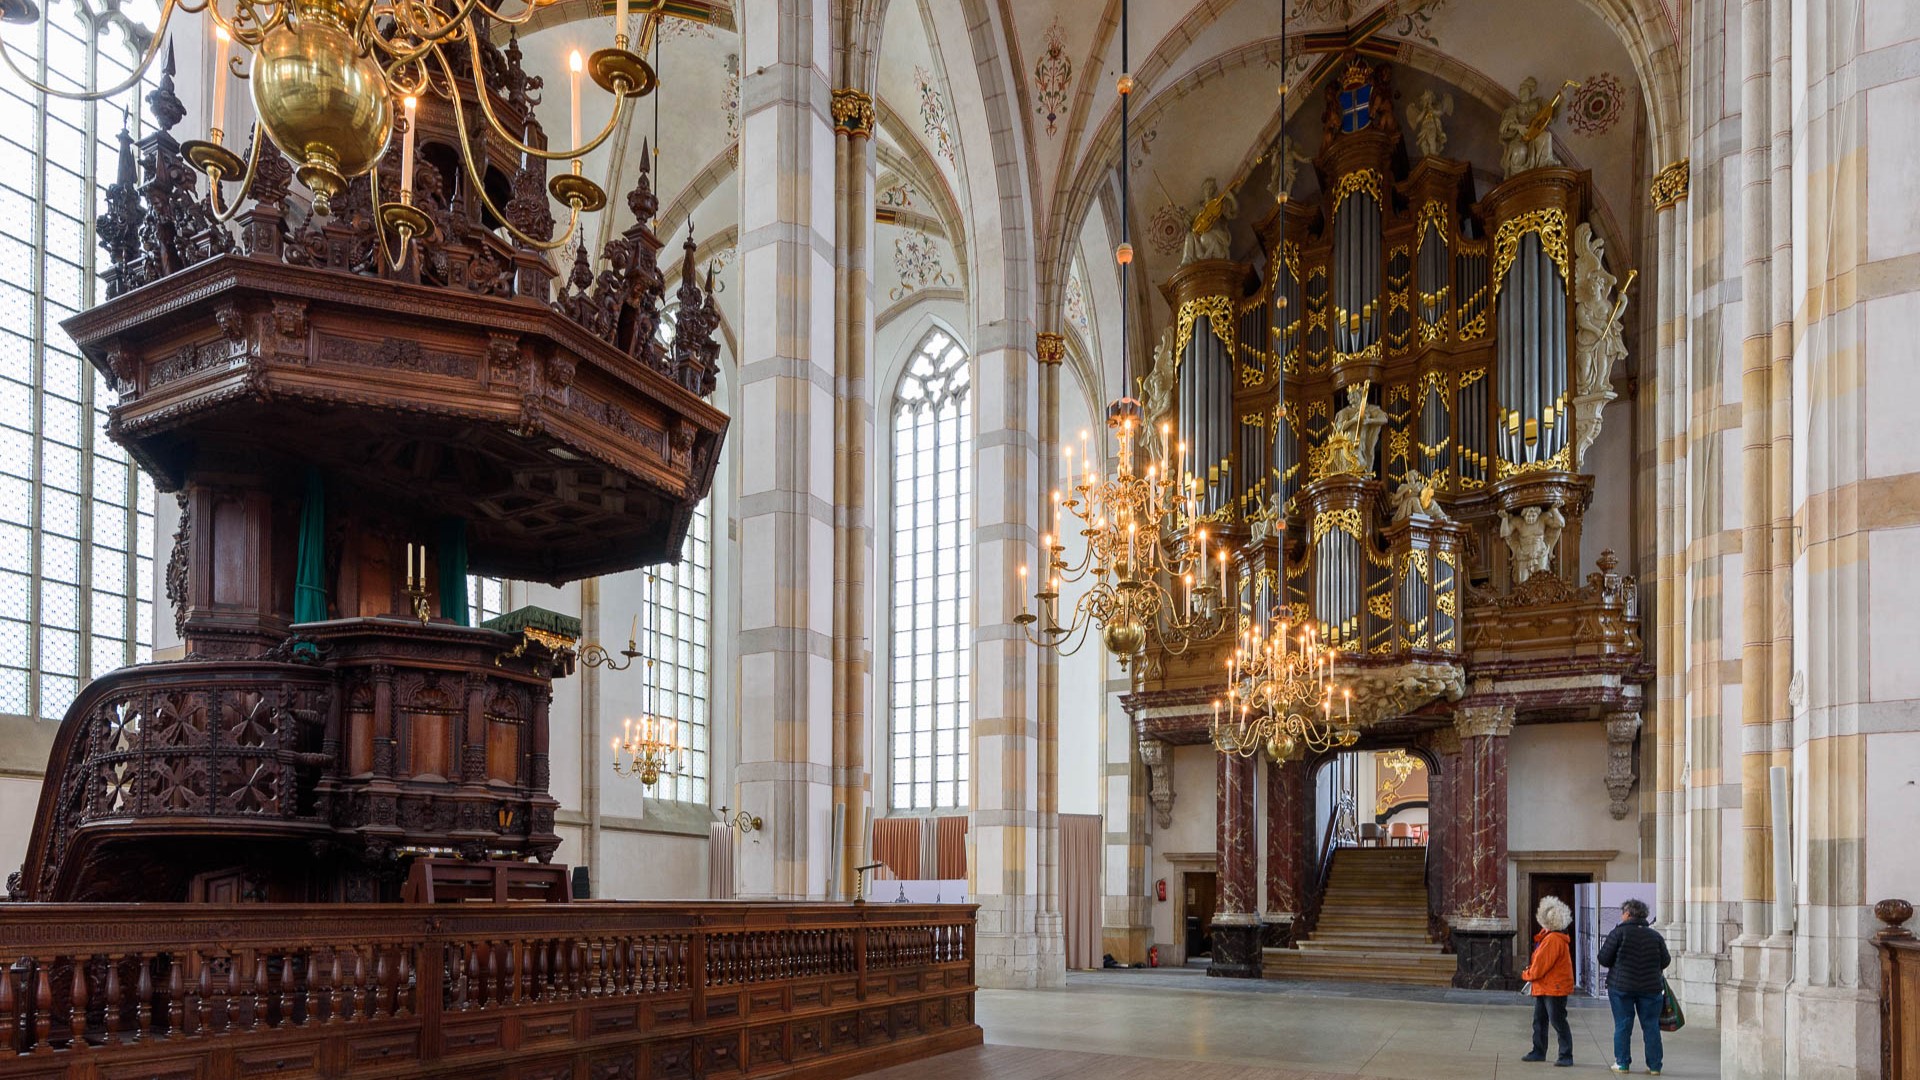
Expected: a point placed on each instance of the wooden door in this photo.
(1200, 887)
(1539, 887)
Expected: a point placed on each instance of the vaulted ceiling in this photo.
(1208, 105)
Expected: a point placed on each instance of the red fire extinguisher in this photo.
(1153, 956)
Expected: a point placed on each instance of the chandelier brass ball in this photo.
(1125, 638)
(1282, 747)
(323, 102)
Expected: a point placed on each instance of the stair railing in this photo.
(1310, 913)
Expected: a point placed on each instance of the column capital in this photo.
(1050, 348)
(1670, 184)
(853, 113)
(1473, 721)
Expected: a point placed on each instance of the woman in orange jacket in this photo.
(1551, 976)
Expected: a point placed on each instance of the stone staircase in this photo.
(1372, 926)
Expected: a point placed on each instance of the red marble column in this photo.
(1289, 846)
(1441, 811)
(1477, 912)
(1236, 921)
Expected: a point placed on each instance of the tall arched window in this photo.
(679, 639)
(76, 518)
(932, 711)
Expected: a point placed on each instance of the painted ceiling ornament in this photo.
(933, 114)
(916, 259)
(1052, 75)
(1143, 143)
(896, 196)
(1076, 302)
(1167, 229)
(730, 96)
(1596, 105)
(1425, 115)
(685, 30)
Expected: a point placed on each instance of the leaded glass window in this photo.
(486, 598)
(932, 714)
(679, 637)
(76, 518)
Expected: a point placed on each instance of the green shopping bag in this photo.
(1672, 1018)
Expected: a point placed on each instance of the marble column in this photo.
(1236, 919)
(1443, 811)
(788, 401)
(1290, 842)
(1482, 927)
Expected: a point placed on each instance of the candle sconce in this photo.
(417, 595)
(597, 655)
(741, 820)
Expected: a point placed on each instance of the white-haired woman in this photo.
(1551, 976)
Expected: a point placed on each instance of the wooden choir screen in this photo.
(635, 990)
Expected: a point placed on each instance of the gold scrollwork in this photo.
(1365, 180)
(1346, 519)
(1445, 602)
(1670, 184)
(1417, 564)
(1433, 212)
(1220, 316)
(1550, 223)
(1380, 606)
(1468, 378)
(1368, 354)
(1561, 461)
(1397, 444)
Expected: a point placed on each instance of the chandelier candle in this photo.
(217, 127)
(406, 153)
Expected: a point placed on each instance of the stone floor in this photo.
(1182, 1026)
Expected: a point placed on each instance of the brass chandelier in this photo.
(328, 77)
(649, 746)
(1281, 697)
(1146, 540)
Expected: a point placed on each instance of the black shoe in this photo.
(1535, 1056)
(1564, 1063)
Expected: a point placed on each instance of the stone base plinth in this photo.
(1236, 947)
(1484, 956)
(1276, 931)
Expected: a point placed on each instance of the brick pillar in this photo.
(1236, 920)
(1482, 928)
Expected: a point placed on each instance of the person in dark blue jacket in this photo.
(1634, 955)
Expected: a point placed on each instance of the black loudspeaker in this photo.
(582, 887)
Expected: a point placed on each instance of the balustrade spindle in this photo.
(363, 1008)
(9, 1016)
(310, 980)
(176, 997)
(403, 984)
(287, 1000)
(377, 991)
(77, 1004)
(258, 1007)
(114, 1002)
(143, 1006)
(202, 991)
(43, 1005)
(333, 985)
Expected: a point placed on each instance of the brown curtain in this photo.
(896, 842)
(1080, 843)
(950, 861)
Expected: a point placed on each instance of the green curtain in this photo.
(310, 570)
(453, 570)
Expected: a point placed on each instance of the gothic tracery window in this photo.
(679, 632)
(76, 518)
(931, 716)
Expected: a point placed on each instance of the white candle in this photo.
(620, 25)
(218, 126)
(409, 567)
(406, 153)
(573, 76)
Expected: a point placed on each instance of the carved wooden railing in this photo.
(601, 989)
(1899, 992)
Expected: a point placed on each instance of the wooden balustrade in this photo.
(511, 989)
(1899, 991)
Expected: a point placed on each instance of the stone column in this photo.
(1290, 843)
(853, 119)
(1051, 350)
(1011, 949)
(1666, 534)
(1236, 920)
(788, 401)
(1127, 909)
(1482, 928)
(1443, 811)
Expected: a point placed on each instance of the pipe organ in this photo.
(1380, 401)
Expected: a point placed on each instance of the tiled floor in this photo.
(1140, 1026)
